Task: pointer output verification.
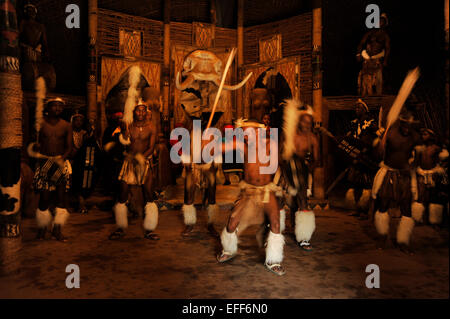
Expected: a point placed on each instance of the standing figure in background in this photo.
(34, 51)
(260, 103)
(53, 170)
(373, 51)
(300, 155)
(430, 176)
(152, 98)
(77, 159)
(393, 183)
(139, 138)
(363, 134)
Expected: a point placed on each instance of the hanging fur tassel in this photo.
(290, 123)
(134, 77)
(40, 97)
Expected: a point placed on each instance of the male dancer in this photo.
(363, 132)
(257, 199)
(429, 178)
(52, 175)
(392, 183)
(300, 155)
(139, 137)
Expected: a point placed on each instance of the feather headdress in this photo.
(134, 77)
(40, 97)
(293, 110)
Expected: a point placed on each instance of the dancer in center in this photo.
(257, 197)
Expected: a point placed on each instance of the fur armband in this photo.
(443, 155)
(124, 141)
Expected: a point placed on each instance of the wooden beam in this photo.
(92, 68)
(166, 64)
(446, 63)
(240, 56)
(213, 12)
(319, 172)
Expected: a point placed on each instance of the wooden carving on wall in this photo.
(289, 68)
(202, 35)
(178, 55)
(113, 68)
(270, 48)
(130, 43)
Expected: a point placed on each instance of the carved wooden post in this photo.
(319, 172)
(213, 12)
(11, 98)
(446, 62)
(92, 68)
(166, 67)
(240, 56)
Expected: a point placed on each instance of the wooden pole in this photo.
(213, 12)
(240, 56)
(92, 68)
(319, 172)
(11, 97)
(446, 63)
(166, 66)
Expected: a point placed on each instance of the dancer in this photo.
(300, 156)
(393, 183)
(139, 137)
(363, 134)
(256, 200)
(53, 170)
(430, 176)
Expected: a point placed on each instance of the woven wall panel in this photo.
(296, 35)
(110, 23)
(112, 70)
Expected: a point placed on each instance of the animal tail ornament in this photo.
(293, 110)
(290, 123)
(40, 97)
(133, 78)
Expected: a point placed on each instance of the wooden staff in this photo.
(403, 93)
(222, 82)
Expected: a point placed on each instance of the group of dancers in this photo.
(411, 175)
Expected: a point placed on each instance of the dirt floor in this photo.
(176, 267)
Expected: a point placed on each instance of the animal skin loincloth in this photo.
(49, 174)
(134, 173)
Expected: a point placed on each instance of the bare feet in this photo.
(117, 234)
(150, 235)
(277, 269)
(305, 245)
(57, 234)
(406, 249)
(187, 230)
(224, 256)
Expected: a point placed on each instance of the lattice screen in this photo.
(270, 48)
(130, 43)
(202, 35)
